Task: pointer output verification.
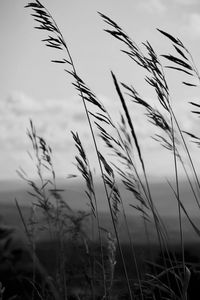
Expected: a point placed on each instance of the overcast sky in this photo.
(33, 87)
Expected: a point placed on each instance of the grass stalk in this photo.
(78, 82)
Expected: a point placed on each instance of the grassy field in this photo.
(130, 236)
(76, 256)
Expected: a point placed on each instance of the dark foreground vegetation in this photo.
(83, 271)
(89, 264)
(77, 273)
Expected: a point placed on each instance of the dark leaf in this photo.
(67, 61)
(108, 169)
(173, 39)
(188, 84)
(179, 69)
(180, 52)
(102, 119)
(33, 4)
(178, 61)
(43, 28)
(109, 21)
(128, 117)
(195, 104)
(54, 46)
(195, 112)
(191, 135)
(41, 12)
(58, 61)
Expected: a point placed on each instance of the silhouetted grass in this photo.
(102, 269)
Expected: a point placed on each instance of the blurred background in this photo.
(31, 87)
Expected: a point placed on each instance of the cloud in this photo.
(51, 117)
(19, 104)
(153, 6)
(55, 118)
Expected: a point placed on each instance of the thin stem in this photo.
(100, 165)
(177, 192)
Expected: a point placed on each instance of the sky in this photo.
(31, 87)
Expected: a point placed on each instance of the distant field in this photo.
(9, 214)
(74, 194)
(75, 256)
